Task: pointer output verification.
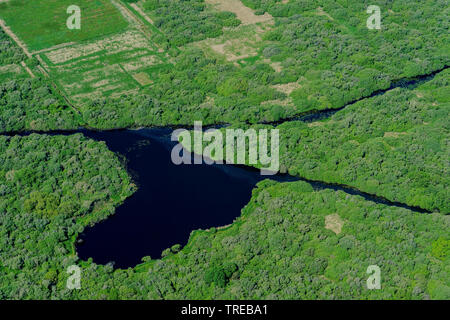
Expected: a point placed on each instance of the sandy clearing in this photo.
(287, 88)
(10, 33)
(334, 223)
(243, 13)
(394, 134)
(142, 78)
(315, 124)
(235, 45)
(100, 83)
(234, 50)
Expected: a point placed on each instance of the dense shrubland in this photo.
(33, 104)
(9, 52)
(280, 248)
(50, 188)
(30, 103)
(187, 21)
(395, 145)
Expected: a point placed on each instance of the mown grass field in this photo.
(42, 24)
(114, 65)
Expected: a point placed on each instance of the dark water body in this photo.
(170, 203)
(172, 200)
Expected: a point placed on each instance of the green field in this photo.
(42, 24)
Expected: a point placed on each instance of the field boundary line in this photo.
(141, 12)
(16, 39)
(24, 65)
(58, 46)
(135, 20)
(13, 36)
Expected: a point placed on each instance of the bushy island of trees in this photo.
(50, 188)
(291, 242)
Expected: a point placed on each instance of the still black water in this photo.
(170, 203)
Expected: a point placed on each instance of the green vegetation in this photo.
(50, 189)
(187, 60)
(32, 104)
(42, 24)
(180, 96)
(173, 62)
(9, 52)
(187, 21)
(281, 248)
(394, 145)
(29, 103)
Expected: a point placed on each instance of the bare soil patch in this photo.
(141, 12)
(143, 78)
(243, 13)
(287, 88)
(334, 223)
(394, 134)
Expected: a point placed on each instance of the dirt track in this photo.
(9, 32)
